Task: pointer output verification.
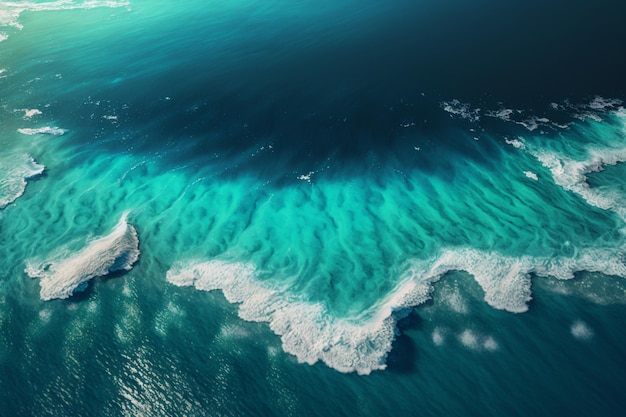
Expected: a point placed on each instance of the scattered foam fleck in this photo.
(306, 177)
(438, 336)
(478, 342)
(531, 175)
(516, 143)
(581, 331)
(462, 110)
(29, 113)
(68, 273)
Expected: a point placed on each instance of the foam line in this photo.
(46, 130)
(14, 176)
(308, 331)
(67, 273)
(361, 343)
(11, 10)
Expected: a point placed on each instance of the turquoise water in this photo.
(257, 208)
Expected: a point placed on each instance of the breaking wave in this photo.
(361, 343)
(67, 273)
(14, 176)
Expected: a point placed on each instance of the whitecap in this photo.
(14, 175)
(46, 130)
(67, 273)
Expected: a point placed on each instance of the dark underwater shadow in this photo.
(404, 355)
(86, 289)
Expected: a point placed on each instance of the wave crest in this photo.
(14, 176)
(61, 277)
(361, 343)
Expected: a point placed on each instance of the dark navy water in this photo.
(312, 209)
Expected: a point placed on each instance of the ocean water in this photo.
(246, 208)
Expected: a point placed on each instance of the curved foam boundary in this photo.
(361, 343)
(307, 330)
(14, 176)
(60, 278)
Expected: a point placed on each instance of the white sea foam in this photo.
(307, 330)
(70, 272)
(531, 175)
(10, 11)
(438, 336)
(46, 130)
(506, 280)
(581, 330)
(572, 175)
(502, 114)
(14, 175)
(516, 143)
(361, 343)
(534, 122)
(477, 341)
(462, 110)
(306, 177)
(30, 113)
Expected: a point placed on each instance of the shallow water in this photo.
(351, 196)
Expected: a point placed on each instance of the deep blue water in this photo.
(324, 208)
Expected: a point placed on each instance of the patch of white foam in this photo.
(581, 330)
(438, 336)
(306, 177)
(502, 114)
(67, 273)
(3, 36)
(307, 330)
(46, 130)
(14, 176)
(531, 175)
(516, 143)
(477, 341)
(30, 113)
(534, 122)
(462, 110)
